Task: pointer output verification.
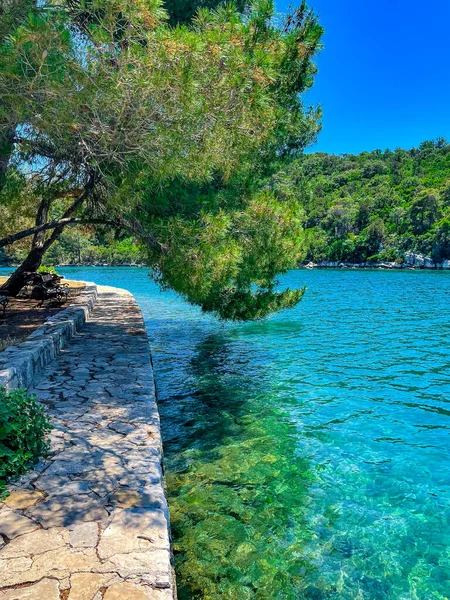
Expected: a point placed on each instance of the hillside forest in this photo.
(374, 206)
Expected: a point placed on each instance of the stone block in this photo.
(22, 499)
(47, 589)
(13, 524)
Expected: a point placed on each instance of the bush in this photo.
(23, 429)
(47, 269)
(388, 255)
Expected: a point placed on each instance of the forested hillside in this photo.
(375, 205)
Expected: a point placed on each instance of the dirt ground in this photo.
(23, 315)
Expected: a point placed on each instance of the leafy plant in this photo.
(44, 269)
(23, 429)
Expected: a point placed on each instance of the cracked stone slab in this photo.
(85, 586)
(47, 589)
(134, 529)
(152, 566)
(130, 591)
(13, 524)
(23, 499)
(37, 542)
(91, 521)
(64, 511)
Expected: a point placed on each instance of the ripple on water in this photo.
(308, 456)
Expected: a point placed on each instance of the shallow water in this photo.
(307, 456)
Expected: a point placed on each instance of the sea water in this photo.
(307, 456)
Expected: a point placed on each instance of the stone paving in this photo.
(91, 521)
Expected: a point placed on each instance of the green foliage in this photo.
(227, 261)
(111, 103)
(77, 246)
(47, 269)
(373, 206)
(23, 427)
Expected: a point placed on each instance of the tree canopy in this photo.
(111, 116)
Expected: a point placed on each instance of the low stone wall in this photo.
(20, 364)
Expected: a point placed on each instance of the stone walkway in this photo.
(91, 522)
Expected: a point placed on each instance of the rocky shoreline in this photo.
(411, 261)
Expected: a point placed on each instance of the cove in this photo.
(307, 456)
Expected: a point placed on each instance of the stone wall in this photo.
(20, 364)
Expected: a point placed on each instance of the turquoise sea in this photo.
(307, 456)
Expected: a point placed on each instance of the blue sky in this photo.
(384, 73)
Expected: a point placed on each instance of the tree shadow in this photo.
(237, 488)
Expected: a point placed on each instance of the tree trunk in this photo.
(40, 245)
(17, 280)
(34, 259)
(6, 149)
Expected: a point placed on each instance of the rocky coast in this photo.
(411, 261)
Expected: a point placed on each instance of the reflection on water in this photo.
(308, 456)
(237, 490)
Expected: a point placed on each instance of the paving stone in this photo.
(37, 542)
(64, 511)
(64, 468)
(130, 591)
(120, 427)
(153, 566)
(84, 535)
(64, 561)
(9, 567)
(47, 589)
(13, 524)
(75, 454)
(23, 499)
(73, 488)
(53, 483)
(85, 586)
(134, 529)
(59, 564)
(132, 498)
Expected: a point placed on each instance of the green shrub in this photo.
(388, 255)
(47, 269)
(23, 429)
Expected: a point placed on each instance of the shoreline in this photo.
(372, 267)
(411, 261)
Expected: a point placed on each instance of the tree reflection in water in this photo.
(237, 488)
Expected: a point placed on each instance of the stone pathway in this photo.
(91, 522)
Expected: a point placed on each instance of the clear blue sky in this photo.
(384, 73)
